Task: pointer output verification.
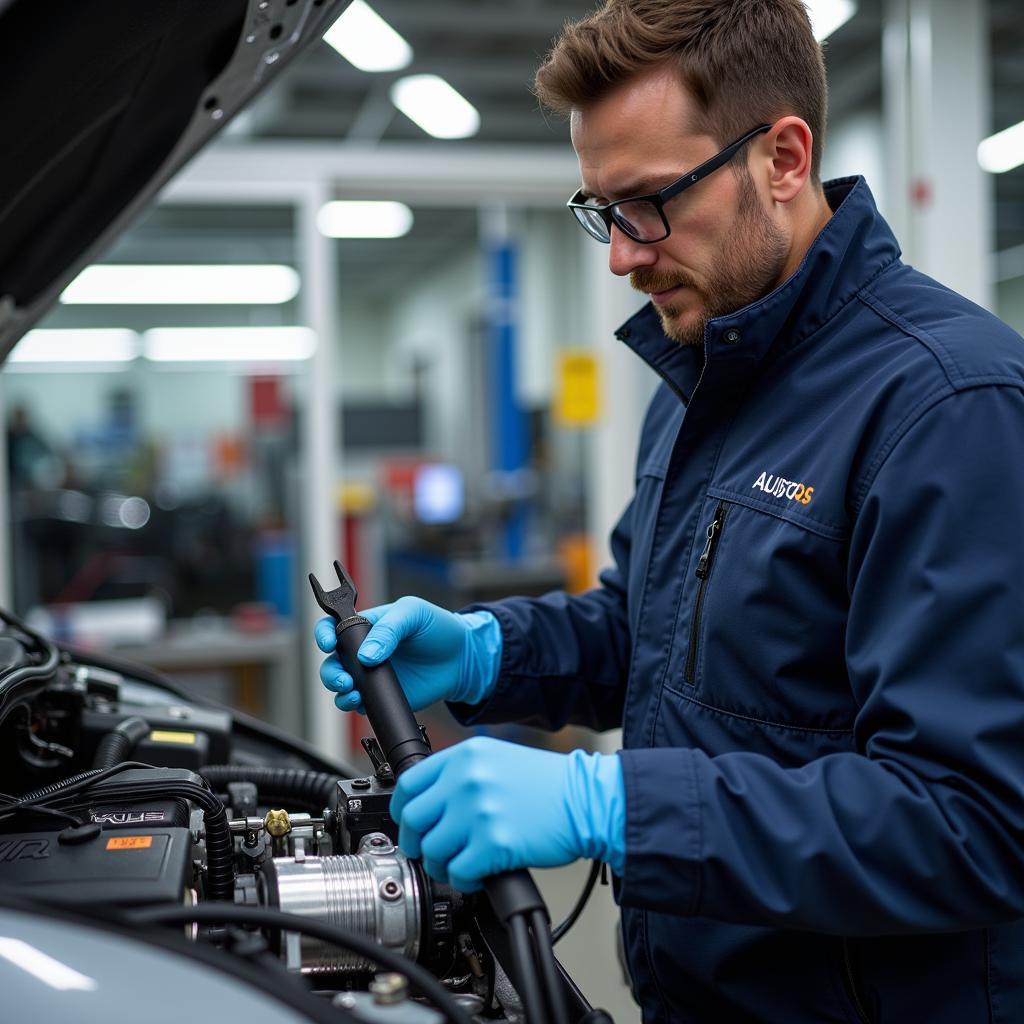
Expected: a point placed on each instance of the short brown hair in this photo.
(746, 62)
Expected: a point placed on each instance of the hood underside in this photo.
(103, 101)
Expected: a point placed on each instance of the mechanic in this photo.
(813, 635)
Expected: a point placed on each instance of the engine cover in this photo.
(119, 867)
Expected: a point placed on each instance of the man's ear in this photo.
(790, 147)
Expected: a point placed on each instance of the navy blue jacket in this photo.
(813, 638)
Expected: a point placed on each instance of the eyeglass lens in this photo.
(640, 219)
(593, 223)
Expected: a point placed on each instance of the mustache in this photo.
(648, 280)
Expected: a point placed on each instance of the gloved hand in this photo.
(436, 654)
(484, 806)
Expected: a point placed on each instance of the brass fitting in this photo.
(277, 823)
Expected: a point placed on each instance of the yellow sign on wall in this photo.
(578, 392)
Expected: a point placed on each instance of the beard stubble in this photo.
(758, 256)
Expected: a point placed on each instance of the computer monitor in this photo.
(438, 493)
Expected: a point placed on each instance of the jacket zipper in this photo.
(851, 983)
(703, 574)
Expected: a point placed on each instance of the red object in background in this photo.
(352, 560)
(267, 406)
(398, 476)
(921, 193)
(253, 617)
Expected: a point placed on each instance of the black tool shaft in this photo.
(384, 700)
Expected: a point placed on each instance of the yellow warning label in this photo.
(165, 736)
(129, 842)
(577, 397)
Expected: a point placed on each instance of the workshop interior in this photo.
(294, 322)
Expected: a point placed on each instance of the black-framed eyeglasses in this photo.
(643, 218)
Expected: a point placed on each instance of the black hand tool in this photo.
(513, 894)
(384, 699)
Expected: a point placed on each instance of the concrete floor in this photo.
(588, 951)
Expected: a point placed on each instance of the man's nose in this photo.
(626, 255)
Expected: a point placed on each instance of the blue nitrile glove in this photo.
(436, 654)
(484, 806)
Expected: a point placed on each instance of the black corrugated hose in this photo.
(313, 789)
(120, 742)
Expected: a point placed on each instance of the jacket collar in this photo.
(854, 246)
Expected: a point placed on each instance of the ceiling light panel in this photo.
(1003, 151)
(430, 102)
(88, 345)
(366, 40)
(176, 285)
(364, 219)
(228, 344)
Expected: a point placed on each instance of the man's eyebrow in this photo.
(640, 187)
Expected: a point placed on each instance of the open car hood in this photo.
(102, 102)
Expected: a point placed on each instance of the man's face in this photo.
(724, 250)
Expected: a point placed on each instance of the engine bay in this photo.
(128, 806)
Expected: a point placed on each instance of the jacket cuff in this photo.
(501, 705)
(663, 831)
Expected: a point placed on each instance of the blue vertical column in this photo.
(507, 421)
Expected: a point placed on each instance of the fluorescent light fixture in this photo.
(89, 345)
(828, 15)
(43, 967)
(1003, 151)
(346, 218)
(366, 40)
(435, 106)
(175, 285)
(228, 344)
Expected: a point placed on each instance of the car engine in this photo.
(131, 812)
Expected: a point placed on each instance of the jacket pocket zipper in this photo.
(851, 984)
(703, 574)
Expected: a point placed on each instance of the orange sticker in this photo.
(129, 842)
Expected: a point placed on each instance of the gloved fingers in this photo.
(324, 630)
(466, 870)
(323, 633)
(444, 840)
(333, 676)
(390, 627)
(416, 818)
(374, 614)
(350, 702)
(418, 778)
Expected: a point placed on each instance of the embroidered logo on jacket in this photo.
(778, 487)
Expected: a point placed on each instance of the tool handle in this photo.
(384, 700)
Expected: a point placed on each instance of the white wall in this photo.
(431, 323)
(168, 402)
(854, 145)
(553, 313)
(362, 348)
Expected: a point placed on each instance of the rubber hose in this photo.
(220, 868)
(314, 789)
(120, 742)
(55, 787)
